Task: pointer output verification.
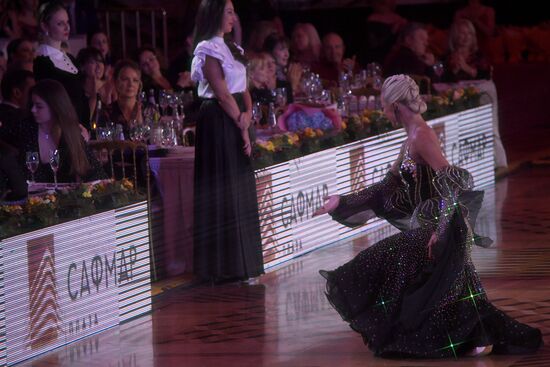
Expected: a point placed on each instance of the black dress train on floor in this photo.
(227, 230)
(404, 303)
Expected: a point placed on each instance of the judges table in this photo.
(173, 176)
(288, 193)
(68, 281)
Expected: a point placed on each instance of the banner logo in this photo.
(44, 313)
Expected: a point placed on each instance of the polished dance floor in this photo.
(285, 320)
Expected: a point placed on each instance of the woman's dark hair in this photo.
(89, 53)
(47, 10)
(145, 48)
(64, 117)
(12, 47)
(123, 64)
(91, 35)
(272, 41)
(208, 20)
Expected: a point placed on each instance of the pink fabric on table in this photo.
(329, 112)
(174, 179)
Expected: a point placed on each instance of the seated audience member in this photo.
(179, 72)
(12, 179)
(56, 127)
(260, 31)
(465, 60)
(100, 41)
(3, 66)
(263, 80)
(483, 20)
(305, 44)
(52, 62)
(332, 60)
(277, 46)
(411, 55)
(152, 76)
(18, 19)
(126, 108)
(95, 84)
(15, 86)
(20, 54)
(257, 81)
(381, 31)
(383, 11)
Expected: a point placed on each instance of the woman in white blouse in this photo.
(227, 231)
(52, 63)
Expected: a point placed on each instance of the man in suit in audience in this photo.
(15, 87)
(411, 56)
(12, 178)
(332, 60)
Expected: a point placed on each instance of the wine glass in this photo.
(33, 161)
(280, 97)
(163, 101)
(439, 69)
(54, 164)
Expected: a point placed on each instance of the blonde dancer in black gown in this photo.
(417, 293)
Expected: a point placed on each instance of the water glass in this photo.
(54, 164)
(256, 112)
(280, 97)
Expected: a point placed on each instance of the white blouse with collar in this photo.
(233, 70)
(58, 57)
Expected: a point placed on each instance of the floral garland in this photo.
(66, 204)
(284, 147)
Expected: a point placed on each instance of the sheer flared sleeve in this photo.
(381, 199)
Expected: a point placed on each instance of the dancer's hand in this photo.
(431, 242)
(331, 203)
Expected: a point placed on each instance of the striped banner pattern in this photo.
(289, 192)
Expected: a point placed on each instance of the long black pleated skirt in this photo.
(227, 242)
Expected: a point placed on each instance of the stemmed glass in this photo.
(33, 161)
(439, 69)
(54, 164)
(164, 101)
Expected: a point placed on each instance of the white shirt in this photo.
(59, 58)
(234, 72)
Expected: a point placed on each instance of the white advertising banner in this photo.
(71, 280)
(58, 290)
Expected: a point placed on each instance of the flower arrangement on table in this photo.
(311, 130)
(452, 100)
(65, 204)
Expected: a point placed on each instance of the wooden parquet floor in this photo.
(285, 320)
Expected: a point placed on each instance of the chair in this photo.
(114, 153)
(424, 83)
(188, 136)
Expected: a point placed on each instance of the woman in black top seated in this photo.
(52, 63)
(126, 109)
(56, 128)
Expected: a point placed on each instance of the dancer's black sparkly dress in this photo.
(405, 304)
